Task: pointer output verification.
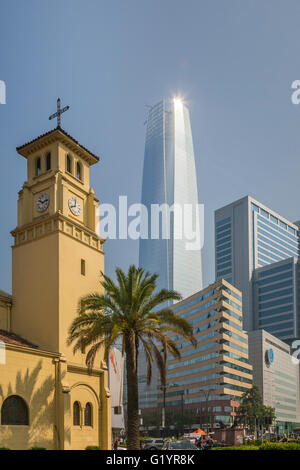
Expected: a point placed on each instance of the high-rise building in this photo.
(169, 178)
(275, 290)
(211, 377)
(248, 237)
(277, 377)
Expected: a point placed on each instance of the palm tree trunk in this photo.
(133, 442)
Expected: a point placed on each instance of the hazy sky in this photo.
(233, 61)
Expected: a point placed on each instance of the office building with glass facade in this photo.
(248, 237)
(169, 178)
(211, 377)
(275, 290)
(277, 377)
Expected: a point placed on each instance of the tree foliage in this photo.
(252, 411)
(128, 313)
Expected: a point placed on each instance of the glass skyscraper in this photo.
(275, 298)
(169, 177)
(257, 250)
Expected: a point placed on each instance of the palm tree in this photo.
(128, 313)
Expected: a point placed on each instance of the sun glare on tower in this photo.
(177, 100)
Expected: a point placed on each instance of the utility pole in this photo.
(164, 388)
(206, 395)
(182, 414)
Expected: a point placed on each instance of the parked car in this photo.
(179, 445)
(153, 444)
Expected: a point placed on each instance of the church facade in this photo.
(47, 397)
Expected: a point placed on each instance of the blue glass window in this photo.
(223, 227)
(274, 287)
(285, 308)
(272, 320)
(223, 234)
(223, 247)
(276, 270)
(279, 277)
(224, 240)
(280, 326)
(282, 224)
(275, 303)
(264, 213)
(223, 273)
(224, 265)
(223, 259)
(280, 293)
(274, 219)
(223, 221)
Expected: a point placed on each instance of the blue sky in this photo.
(233, 61)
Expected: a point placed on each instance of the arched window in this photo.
(88, 415)
(76, 413)
(38, 166)
(69, 164)
(78, 170)
(14, 411)
(48, 161)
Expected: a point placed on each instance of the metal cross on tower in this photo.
(58, 112)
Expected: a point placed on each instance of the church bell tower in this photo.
(57, 253)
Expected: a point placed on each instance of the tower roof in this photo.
(62, 136)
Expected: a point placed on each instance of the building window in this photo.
(69, 164)
(14, 411)
(38, 166)
(117, 410)
(48, 161)
(76, 414)
(78, 171)
(88, 415)
(83, 267)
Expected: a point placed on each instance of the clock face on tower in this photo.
(42, 202)
(74, 206)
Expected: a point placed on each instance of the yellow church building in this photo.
(47, 397)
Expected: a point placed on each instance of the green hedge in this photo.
(265, 446)
(280, 446)
(242, 447)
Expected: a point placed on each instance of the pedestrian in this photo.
(115, 445)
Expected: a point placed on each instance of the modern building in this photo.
(277, 376)
(48, 397)
(211, 377)
(116, 386)
(248, 237)
(275, 294)
(169, 178)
